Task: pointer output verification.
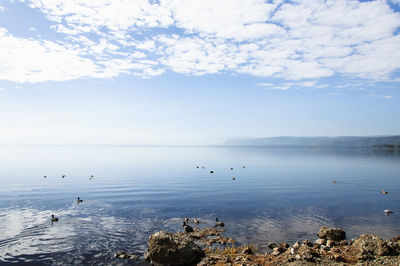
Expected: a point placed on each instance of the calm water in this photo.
(281, 195)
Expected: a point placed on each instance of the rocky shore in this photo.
(208, 247)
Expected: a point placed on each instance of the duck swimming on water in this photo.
(79, 200)
(384, 192)
(219, 223)
(54, 219)
(62, 176)
(388, 212)
(187, 228)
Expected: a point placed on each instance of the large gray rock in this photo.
(335, 234)
(369, 246)
(172, 249)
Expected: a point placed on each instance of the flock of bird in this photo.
(79, 200)
(387, 212)
(187, 228)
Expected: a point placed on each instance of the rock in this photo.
(335, 234)
(307, 243)
(284, 245)
(338, 258)
(172, 249)
(271, 245)
(248, 250)
(320, 241)
(368, 246)
(296, 245)
(123, 255)
(307, 253)
(330, 243)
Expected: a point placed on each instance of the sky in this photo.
(197, 71)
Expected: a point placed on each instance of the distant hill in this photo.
(339, 142)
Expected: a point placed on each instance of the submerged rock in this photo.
(123, 255)
(172, 249)
(335, 234)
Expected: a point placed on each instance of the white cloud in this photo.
(296, 40)
(388, 97)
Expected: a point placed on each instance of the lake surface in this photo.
(281, 195)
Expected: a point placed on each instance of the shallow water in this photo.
(281, 195)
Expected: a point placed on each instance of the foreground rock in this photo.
(368, 247)
(172, 249)
(330, 249)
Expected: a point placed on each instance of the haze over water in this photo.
(281, 195)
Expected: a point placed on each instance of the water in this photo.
(281, 195)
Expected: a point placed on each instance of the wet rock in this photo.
(172, 249)
(123, 255)
(368, 246)
(335, 234)
(320, 241)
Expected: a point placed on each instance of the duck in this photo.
(62, 176)
(384, 192)
(211, 172)
(186, 219)
(231, 168)
(54, 219)
(219, 223)
(91, 176)
(233, 178)
(388, 212)
(244, 166)
(195, 220)
(79, 200)
(202, 167)
(187, 228)
(197, 167)
(45, 176)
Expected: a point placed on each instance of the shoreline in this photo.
(208, 246)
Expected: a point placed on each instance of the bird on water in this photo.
(388, 212)
(54, 219)
(384, 192)
(79, 200)
(219, 223)
(195, 220)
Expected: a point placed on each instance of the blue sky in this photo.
(196, 72)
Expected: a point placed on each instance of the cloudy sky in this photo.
(196, 71)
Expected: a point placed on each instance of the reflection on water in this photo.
(281, 195)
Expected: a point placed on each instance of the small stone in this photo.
(330, 243)
(292, 251)
(320, 241)
(307, 243)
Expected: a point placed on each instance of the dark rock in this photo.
(123, 255)
(284, 245)
(307, 243)
(271, 245)
(368, 246)
(335, 234)
(172, 249)
(248, 250)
